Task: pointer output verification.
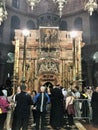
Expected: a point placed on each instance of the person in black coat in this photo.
(57, 110)
(85, 106)
(22, 110)
(94, 104)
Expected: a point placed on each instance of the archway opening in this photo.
(48, 84)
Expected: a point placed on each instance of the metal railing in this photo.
(83, 109)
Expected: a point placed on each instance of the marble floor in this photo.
(79, 124)
(48, 127)
(89, 126)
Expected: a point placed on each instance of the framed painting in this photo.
(48, 35)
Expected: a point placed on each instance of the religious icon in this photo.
(48, 35)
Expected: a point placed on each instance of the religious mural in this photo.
(48, 36)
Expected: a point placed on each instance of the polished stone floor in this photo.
(89, 126)
(48, 127)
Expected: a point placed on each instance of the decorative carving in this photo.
(10, 57)
(48, 50)
(48, 66)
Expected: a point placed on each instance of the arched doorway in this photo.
(48, 84)
(48, 80)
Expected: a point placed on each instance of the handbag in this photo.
(0, 111)
(70, 108)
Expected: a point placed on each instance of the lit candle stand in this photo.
(25, 34)
(73, 36)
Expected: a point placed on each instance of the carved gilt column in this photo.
(16, 65)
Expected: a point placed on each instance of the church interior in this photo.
(49, 42)
(49, 53)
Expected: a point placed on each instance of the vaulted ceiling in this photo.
(48, 6)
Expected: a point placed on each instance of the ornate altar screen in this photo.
(49, 57)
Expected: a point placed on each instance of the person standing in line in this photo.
(85, 105)
(89, 94)
(94, 104)
(11, 100)
(17, 92)
(41, 100)
(77, 102)
(10, 110)
(33, 94)
(4, 105)
(57, 108)
(64, 92)
(22, 110)
(70, 108)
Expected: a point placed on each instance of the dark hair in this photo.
(34, 91)
(77, 87)
(69, 93)
(23, 87)
(1, 93)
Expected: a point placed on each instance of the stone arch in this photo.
(48, 19)
(16, 3)
(78, 24)
(15, 24)
(46, 78)
(30, 24)
(94, 26)
(63, 25)
(48, 84)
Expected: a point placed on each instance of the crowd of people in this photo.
(15, 109)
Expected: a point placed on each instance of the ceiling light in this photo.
(91, 5)
(32, 3)
(60, 5)
(3, 12)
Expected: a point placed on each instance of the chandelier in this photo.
(32, 3)
(60, 5)
(3, 12)
(90, 6)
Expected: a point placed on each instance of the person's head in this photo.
(23, 87)
(33, 93)
(2, 86)
(42, 88)
(76, 88)
(18, 89)
(1, 93)
(96, 89)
